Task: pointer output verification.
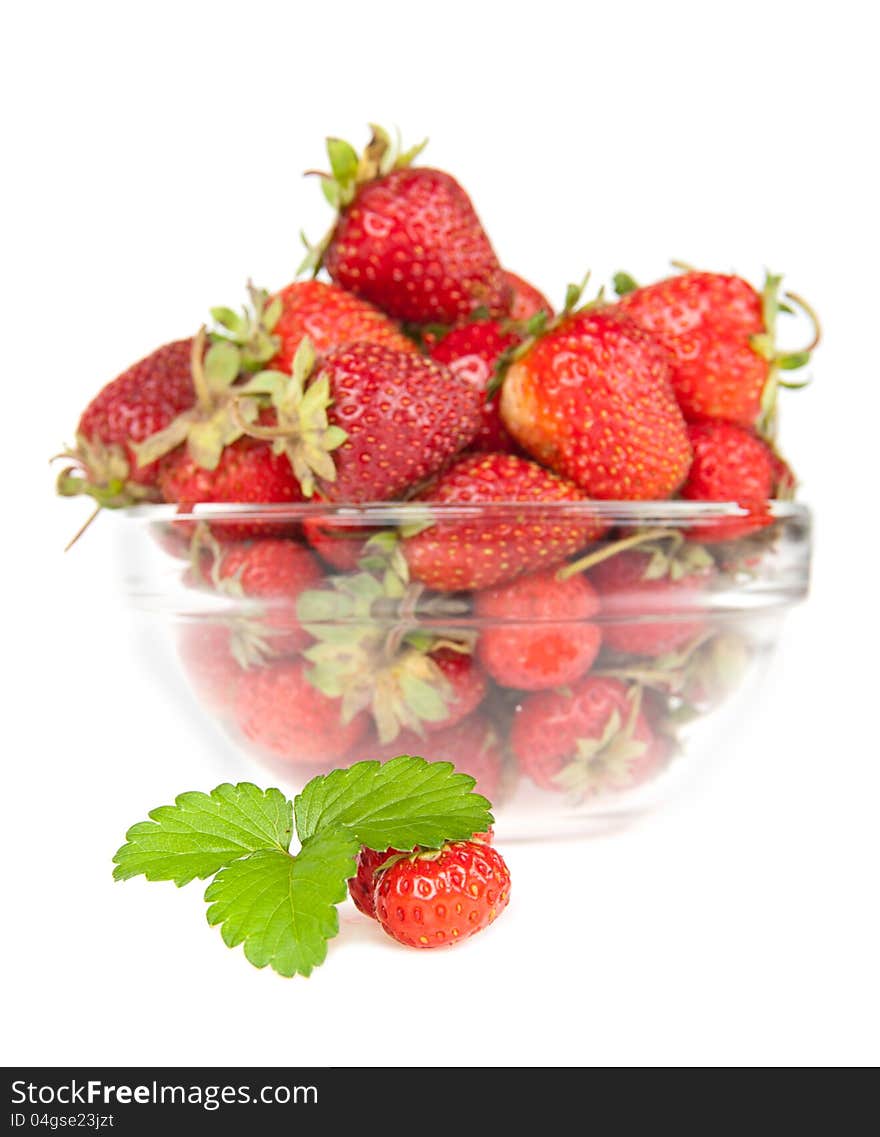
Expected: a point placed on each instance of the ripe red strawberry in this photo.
(590, 739)
(281, 712)
(471, 352)
(475, 552)
(331, 318)
(340, 546)
(205, 651)
(275, 572)
(643, 594)
(591, 398)
(408, 240)
(730, 464)
(527, 648)
(434, 899)
(467, 687)
(373, 651)
(474, 748)
(404, 416)
(719, 333)
(362, 886)
(248, 472)
(139, 402)
(526, 300)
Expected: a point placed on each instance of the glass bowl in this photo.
(622, 643)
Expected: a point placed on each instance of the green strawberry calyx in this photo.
(373, 652)
(348, 172)
(102, 471)
(302, 430)
(218, 416)
(605, 763)
(252, 330)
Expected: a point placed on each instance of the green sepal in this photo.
(101, 471)
(624, 283)
(344, 167)
(348, 172)
(793, 361)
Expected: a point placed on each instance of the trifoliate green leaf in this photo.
(202, 833)
(397, 804)
(283, 908)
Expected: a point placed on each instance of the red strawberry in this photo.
(467, 686)
(331, 318)
(719, 333)
(591, 398)
(248, 472)
(474, 748)
(526, 301)
(526, 648)
(730, 464)
(434, 899)
(142, 400)
(275, 572)
(340, 546)
(372, 650)
(475, 552)
(362, 886)
(279, 710)
(471, 352)
(404, 416)
(643, 595)
(408, 240)
(784, 479)
(590, 739)
(213, 671)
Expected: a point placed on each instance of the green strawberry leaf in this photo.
(283, 908)
(202, 833)
(397, 804)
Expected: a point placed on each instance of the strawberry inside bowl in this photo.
(580, 659)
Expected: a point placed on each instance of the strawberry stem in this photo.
(615, 547)
(88, 521)
(810, 312)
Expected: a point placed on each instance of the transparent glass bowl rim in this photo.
(383, 513)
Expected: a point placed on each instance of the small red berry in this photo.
(430, 900)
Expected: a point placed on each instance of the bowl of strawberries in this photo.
(412, 508)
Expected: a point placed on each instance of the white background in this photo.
(153, 157)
